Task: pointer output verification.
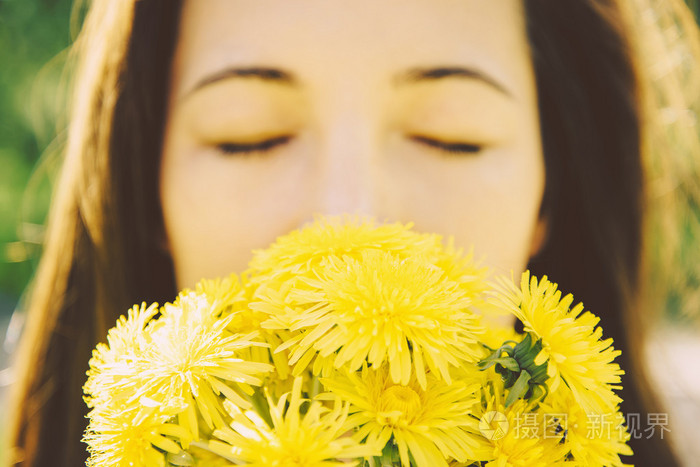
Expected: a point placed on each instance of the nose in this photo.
(348, 181)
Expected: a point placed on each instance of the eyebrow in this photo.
(413, 75)
(416, 75)
(267, 74)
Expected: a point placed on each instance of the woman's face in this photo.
(403, 110)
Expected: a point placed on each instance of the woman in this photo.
(201, 130)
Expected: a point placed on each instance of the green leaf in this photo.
(509, 363)
(519, 389)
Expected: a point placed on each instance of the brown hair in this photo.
(590, 93)
(102, 253)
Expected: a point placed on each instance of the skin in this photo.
(280, 110)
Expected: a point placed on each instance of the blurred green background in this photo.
(34, 36)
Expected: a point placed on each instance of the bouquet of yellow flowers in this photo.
(352, 343)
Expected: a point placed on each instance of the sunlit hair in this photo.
(608, 118)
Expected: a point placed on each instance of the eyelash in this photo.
(253, 148)
(269, 144)
(450, 148)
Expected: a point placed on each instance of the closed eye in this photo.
(451, 148)
(252, 148)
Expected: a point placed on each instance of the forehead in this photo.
(322, 40)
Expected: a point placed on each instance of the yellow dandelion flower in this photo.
(592, 438)
(301, 250)
(497, 335)
(572, 343)
(176, 365)
(514, 436)
(229, 298)
(225, 294)
(193, 358)
(204, 458)
(114, 366)
(430, 425)
(314, 439)
(464, 270)
(379, 309)
(118, 436)
(516, 449)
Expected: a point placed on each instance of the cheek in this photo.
(490, 203)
